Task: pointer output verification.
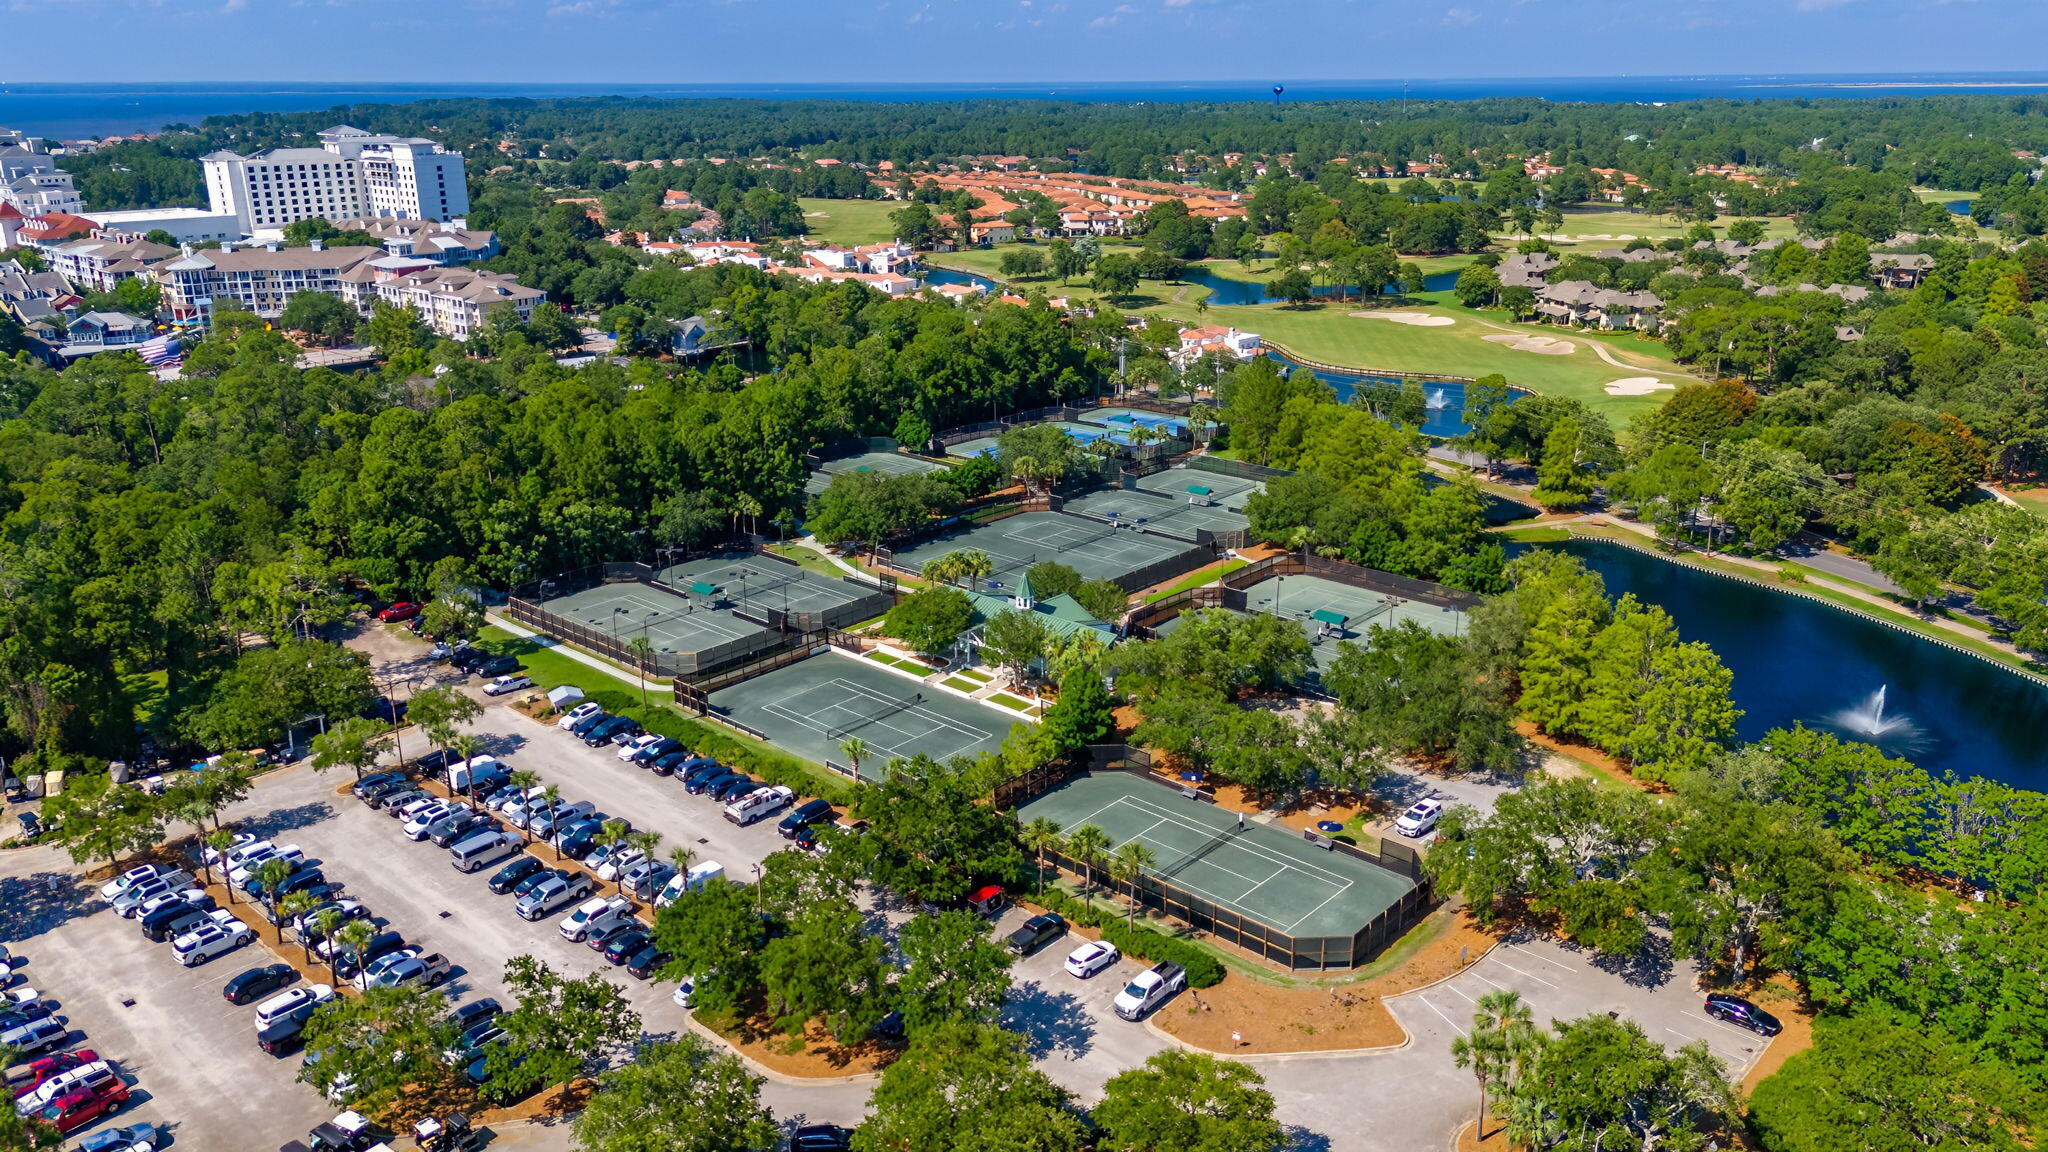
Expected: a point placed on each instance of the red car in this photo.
(403, 610)
(75, 1110)
(24, 1078)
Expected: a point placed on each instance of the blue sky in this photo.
(785, 41)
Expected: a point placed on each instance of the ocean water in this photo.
(93, 109)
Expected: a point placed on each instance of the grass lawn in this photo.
(849, 222)
(1010, 702)
(1597, 228)
(147, 690)
(2033, 499)
(808, 559)
(959, 684)
(1943, 195)
(1206, 576)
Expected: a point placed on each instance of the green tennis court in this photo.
(889, 463)
(758, 584)
(1097, 551)
(1263, 872)
(812, 707)
(1165, 512)
(1229, 491)
(1329, 610)
(671, 623)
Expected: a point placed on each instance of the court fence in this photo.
(1162, 895)
(1238, 468)
(1230, 592)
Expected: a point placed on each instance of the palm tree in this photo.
(1502, 1038)
(975, 565)
(269, 875)
(524, 779)
(647, 842)
(855, 750)
(1088, 845)
(680, 859)
(1528, 1123)
(643, 654)
(551, 799)
(353, 936)
(220, 842)
(467, 747)
(610, 834)
(1039, 835)
(327, 923)
(1130, 863)
(290, 908)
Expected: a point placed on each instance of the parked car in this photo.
(735, 789)
(1036, 933)
(578, 714)
(31, 826)
(90, 1074)
(667, 763)
(468, 656)
(595, 915)
(548, 821)
(75, 1110)
(537, 879)
(140, 874)
(1149, 989)
(127, 1138)
(647, 878)
(465, 1016)
(1092, 957)
(610, 731)
(491, 667)
(395, 801)
(505, 685)
(510, 806)
(1420, 819)
(19, 1078)
(245, 876)
(588, 722)
(552, 894)
(576, 840)
(382, 964)
(432, 970)
(703, 769)
(460, 824)
(646, 962)
(34, 1037)
(402, 610)
(630, 749)
(417, 826)
(820, 1138)
(129, 901)
(373, 792)
(349, 962)
(1741, 1013)
(257, 982)
(615, 862)
(473, 1040)
(757, 803)
(307, 925)
(504, 879)
(624, 945)
(802, 816)
(174, 921)
(220, 936)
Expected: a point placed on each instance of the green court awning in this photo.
(1198, 490)
(702, 588)
(1325, 616)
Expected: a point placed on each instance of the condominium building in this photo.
(442, 242)
(352, 174)
(31, 181)
(102, 262)
(455, 301)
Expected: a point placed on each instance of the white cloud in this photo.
(1459, 16)
(1820, 5)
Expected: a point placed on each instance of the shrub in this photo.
(1204, 969)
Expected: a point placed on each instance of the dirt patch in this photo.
(1469, 1139)
(813, 1056)
(1346, 808)
(1636, 386)
(1541, 345)
(1415, 319)
(561, 1100)
(1325, 1017)
(1780, 998)
(1584, 754)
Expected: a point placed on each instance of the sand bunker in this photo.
(1638, 386)
(1418, 319)
(1541, 345)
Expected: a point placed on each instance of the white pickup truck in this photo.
(1149, 989)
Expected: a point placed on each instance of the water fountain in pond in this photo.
(1436, 401)
(1868, 721)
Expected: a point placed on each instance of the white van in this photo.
(289, 1001)
(692, 881)
(758, 803)
(595, 915)
(481, 850)
(461, 773)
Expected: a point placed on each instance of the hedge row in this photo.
(712, 741)
(1204, 969)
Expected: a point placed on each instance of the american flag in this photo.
(162, 352)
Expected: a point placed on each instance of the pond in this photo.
(933, 277)
(1795, 660)
(1226, 292)
(1444, 415)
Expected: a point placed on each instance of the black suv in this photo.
(508, 877)
(802, 816)
(495, 666)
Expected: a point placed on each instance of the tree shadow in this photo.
(1295, 1138)
(1051, 1022)
(1649, 966)
(278, 821)
(41, 902)
(500, 744)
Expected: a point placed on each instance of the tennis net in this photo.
(915, 699)
(1207, 846)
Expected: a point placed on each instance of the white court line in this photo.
(1163, 818)
(1319, 907)
(1246, 845)
(1543, 958)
